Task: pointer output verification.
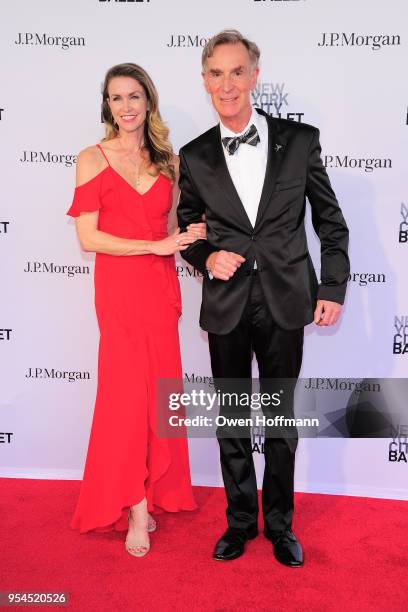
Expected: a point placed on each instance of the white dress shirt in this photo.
(247, 166)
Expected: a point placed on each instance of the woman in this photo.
(122, 203)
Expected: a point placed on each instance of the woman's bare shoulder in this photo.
(90, 163)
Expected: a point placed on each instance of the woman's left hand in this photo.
(197, 231)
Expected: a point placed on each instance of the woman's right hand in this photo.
(174, 243)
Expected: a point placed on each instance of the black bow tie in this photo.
(251, 137)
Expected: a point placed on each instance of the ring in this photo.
(177, 241)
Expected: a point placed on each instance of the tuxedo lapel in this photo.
(224, 179)
(276, 150)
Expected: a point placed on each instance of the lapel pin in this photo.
(278, 147)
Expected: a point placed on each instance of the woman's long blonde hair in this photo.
(156, 146)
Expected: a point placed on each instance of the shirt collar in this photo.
(226, 132)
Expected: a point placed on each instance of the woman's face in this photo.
(128, 103)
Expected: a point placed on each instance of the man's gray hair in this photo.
(230, 37)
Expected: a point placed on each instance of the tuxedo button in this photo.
(253, 237)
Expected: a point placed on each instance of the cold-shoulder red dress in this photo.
(138, 305)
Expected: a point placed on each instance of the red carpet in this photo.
(355, 548)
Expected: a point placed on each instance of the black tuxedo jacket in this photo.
(277, 242)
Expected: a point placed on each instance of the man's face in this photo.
(229, 78)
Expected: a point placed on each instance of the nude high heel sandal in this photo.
(137, 550)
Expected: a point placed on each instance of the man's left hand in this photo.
(327, 313)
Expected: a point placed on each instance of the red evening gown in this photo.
(138, 305)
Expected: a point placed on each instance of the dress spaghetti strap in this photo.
(103, 153)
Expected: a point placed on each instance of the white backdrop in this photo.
(339, 65)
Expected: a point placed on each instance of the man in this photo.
(250, 175)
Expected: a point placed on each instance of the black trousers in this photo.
(279, 355)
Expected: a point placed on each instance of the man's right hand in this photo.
(224, 264)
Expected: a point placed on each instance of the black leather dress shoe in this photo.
(287, 549)
(232, 544)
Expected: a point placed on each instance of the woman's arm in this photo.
(92, 239)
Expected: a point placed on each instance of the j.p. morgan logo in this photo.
(5, 333)
(5, 437)
(340, 384)
(398, 447)
(49, 40)
(186, 271)
(366, 278)
(4, 227)
(351, 39)
(274, 100)
(53, 268)
(187, 40)
(68, 376)
(403, 226)
(41, 157)
(368, 164)
(400, 346)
